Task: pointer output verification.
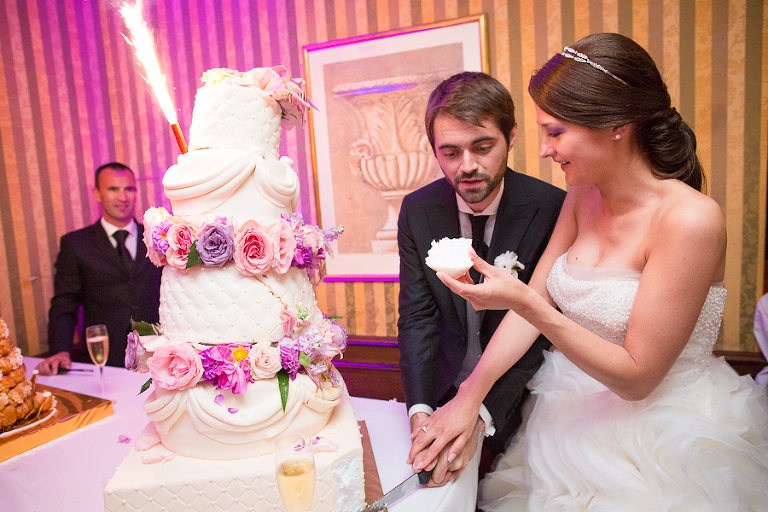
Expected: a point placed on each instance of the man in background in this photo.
(104, 269)
(470, 122)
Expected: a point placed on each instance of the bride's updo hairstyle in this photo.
(608, 80)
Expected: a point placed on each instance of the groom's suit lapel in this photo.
(443, 222)
(514, 216)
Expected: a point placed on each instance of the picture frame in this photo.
(369, 145)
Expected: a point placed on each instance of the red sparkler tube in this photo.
(179, 138)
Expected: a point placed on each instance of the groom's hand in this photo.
(446, 470)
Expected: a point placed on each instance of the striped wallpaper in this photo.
(72, 98)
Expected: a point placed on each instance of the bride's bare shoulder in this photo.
(686, 212)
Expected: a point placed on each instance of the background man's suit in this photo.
(432, 323)
(89, 273)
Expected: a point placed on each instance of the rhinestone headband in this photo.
(580, 57)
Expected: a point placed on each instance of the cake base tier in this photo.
(184, 483)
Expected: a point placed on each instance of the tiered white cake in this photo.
(242, 353)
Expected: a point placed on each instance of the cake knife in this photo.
(408, 485)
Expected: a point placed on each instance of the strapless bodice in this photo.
(600, 300)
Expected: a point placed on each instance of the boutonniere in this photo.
(508, 261)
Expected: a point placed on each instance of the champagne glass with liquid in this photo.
(295, 462)
(98, 348)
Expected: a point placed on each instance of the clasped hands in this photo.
(429, 452)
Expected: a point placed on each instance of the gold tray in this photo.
(73, 411)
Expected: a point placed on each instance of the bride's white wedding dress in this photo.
(698, 443)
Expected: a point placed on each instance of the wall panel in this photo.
(72, 99)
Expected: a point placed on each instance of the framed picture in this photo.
(369, 145)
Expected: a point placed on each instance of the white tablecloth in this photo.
(70, 473)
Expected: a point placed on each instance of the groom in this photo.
(470, 122)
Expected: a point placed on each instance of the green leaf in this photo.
(334, 318)
(145, 386)
(194, 257)
(304, 359)
(283, 380)
(144, 328)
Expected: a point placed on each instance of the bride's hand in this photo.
(453, 424)
(499, 289)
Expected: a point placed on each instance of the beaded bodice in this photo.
(600, 300)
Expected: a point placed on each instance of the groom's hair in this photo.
(471, 97)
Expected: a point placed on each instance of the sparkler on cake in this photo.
(145, 52)
(450, 256)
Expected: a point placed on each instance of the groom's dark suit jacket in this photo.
(89, 274)
(432, 323)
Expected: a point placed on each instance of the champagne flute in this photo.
(295, 462)
(98, 348)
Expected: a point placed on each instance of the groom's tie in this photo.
(120, 235)
(478, 242)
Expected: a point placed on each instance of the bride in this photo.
(630, 411)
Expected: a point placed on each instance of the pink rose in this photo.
(283, 245)
(311, 238)
(289, 320)
(253, 252)
(175, 366)
(180, 238)
(334, 337)
(265, 360)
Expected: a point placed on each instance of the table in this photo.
(69, 474)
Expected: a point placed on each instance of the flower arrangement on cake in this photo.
(310, 342)
(255, 248)
(175, 366)
(289, 92)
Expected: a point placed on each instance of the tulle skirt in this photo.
(699, 443)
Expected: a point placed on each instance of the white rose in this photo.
(265, 360)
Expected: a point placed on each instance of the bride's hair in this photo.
(607, 80)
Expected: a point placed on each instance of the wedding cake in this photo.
(242, 354)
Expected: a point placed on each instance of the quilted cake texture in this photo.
(228, 116)
(184, 483)
(219, 305)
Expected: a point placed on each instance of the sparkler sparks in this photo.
(145, 52)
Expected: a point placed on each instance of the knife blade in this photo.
(408, 485)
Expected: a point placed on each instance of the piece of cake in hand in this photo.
(242, 353)
(450, 256)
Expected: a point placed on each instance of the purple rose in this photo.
(227, 367)
(289, 354)
(216, 360)
(133, 351)
(311, 343)
(236, 377)
(302, 258)
(159, 233)
(216, 244)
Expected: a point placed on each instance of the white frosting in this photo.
(216, 305)
(232, 183)
(230, 116)
(190, 423)
(211, 485)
